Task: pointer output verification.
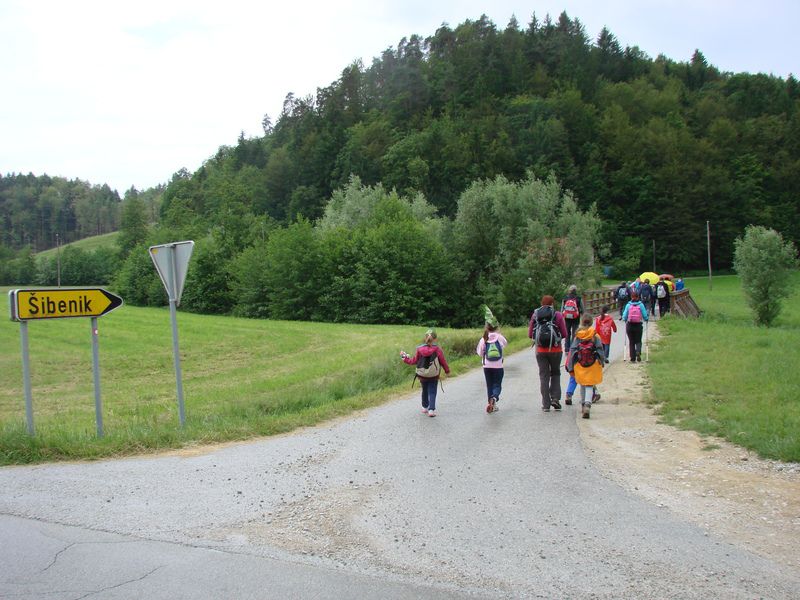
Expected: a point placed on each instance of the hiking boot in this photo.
(545, 409)
(431, 413)
(568, 400)
(585, 411)
(595, 398)
(556, 404)
(492, 405)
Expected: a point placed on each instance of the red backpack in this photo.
(603, 327)
(570, 310)
(586, 353)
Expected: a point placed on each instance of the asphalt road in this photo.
(386, 504)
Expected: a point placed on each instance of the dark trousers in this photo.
(494, 382)
(634, 333)
(572, 327)
(429, 389)
(663, 306)
(549, 376)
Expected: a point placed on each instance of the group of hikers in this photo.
(651, 294)
(570, 331)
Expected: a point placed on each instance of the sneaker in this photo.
(545, 409)
(424, 411)
(490, 407)
(431, 413)
(556, 404)
(568, 400)
(585, 411)
(595, 398)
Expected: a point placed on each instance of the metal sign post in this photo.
(42, 304)
(98, 405)
(172, 263)
(26, 376)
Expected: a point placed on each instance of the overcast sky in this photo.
(127, 93)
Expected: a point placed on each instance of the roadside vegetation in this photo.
(721, 375)
(242, 378)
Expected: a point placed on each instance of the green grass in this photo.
(88, 244)
(720, 375)
(242, 378)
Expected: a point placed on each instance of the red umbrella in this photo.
(666, 276)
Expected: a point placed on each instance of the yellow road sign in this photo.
(62, 303)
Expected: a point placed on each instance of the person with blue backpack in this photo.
(490, 349)
(635, 315)
(623, 295)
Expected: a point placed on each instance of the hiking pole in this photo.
(625, 347)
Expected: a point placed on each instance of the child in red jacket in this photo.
(430, 361)
(604, 325)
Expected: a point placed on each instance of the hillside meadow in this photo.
(242, 378)
(88, 244)
(723, 376)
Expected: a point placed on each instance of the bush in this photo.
(764, 262)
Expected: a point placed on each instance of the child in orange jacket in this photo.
(586, 361)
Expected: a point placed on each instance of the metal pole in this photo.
(708, 245)
(177, 357)
(26, 375)
(654, 255)
(98, 405)
(173, 314)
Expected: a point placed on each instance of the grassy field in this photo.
(242, 378)
(722, 376)
(88, 244)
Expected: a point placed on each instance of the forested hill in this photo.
(660, 146)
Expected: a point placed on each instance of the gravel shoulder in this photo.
(726, 490)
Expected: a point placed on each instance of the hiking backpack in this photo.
(634, 313)
(570, 310)
(428, 366)
(602, 327)
(622, 292)
(547, 334)
(645, 292)
(662, 291)
(586, 354)
(493, 351)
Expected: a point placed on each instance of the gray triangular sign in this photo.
(167, 257)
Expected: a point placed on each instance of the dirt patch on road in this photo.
(726, 490)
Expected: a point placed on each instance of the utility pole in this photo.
(708, 246)
(58, 260)
(654, 255)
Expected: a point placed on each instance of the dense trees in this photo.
(519, 156)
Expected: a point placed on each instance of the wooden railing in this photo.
(681, 304)
(594, 300)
